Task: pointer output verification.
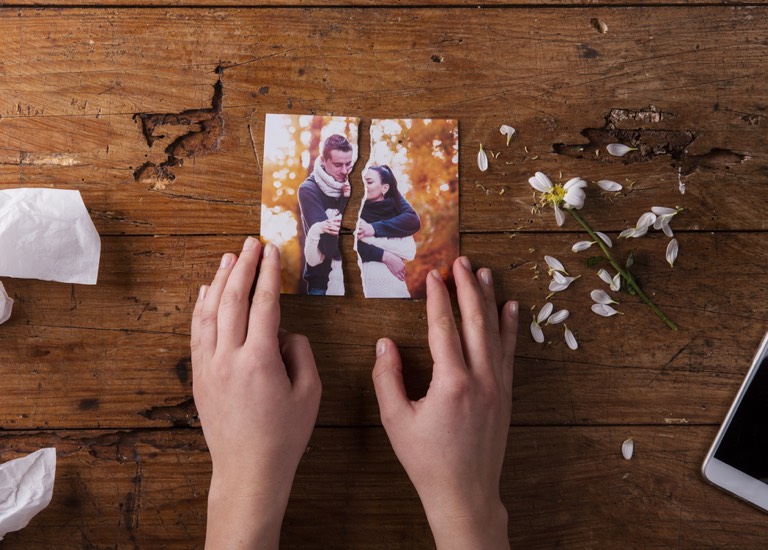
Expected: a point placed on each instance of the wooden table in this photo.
(103, 373)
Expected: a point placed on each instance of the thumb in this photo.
(388, 381)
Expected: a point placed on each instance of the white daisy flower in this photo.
(568, 195)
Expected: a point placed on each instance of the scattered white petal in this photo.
(605, 238)
(582, 245)
(482, 159)
(558, 317)
(663, 211)
(545, 312)
(627, 448)
(616, 282)
(604, 310)
(508, 131)
(537, 333)
(628, 233)
(619, 149)
(554, 286)
(608, 185)
(672, 250)
(554, 264)
(559, 216)
(601, 297)
(605, 276)
(570, 339)
(646, 220)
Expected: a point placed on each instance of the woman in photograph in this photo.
(385, 230)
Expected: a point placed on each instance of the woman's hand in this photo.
(395, 264)
(364, 229)
(257, 392)
(452, 442)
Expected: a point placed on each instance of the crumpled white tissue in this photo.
(26, 487)
(47, 234)
(6, 305)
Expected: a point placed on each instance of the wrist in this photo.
(478, 527)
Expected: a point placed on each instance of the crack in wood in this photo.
(202, 129)
(649, 143)
(181, 414)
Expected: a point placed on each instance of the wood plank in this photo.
(116, 355)
(562, 486)
(68, 104)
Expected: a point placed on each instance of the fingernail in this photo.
(486, 277)
(381, 347)
(203, 292)
(268, 249)
(436, 274)
(512, 309)
(466, 263)
(226, 261)
(248, 244)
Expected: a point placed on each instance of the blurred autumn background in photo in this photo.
(424, 157)
(291, 145)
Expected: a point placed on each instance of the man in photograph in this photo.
(322, 199)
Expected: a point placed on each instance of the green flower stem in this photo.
(624, 273)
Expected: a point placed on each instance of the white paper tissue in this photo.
(6, 305)
(47, 234)
(26, 487)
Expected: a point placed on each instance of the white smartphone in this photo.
(738, 458)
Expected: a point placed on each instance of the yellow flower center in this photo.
(555, 196)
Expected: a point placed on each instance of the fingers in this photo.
(444, 341)
(300, 364)
(388, 381)
(479, 323)
(195, 345)
(508, 330)
(233, 308)
(210, 308)
(264, 320)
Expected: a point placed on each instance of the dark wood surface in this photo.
(103, 373)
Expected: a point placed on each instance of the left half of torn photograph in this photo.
(305, 189)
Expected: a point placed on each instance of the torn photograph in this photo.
(305, 188)
(408, 222)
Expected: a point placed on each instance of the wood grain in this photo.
(156, 115)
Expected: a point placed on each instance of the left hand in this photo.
(364, 229)
(257, 392)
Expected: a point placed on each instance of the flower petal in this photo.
(537, 333)
(605, 276)
(559, 216)
(605, 238)
(608, 185)
(616, 282)
(545, 312)
(601, 297)
(582, 245)
(554, 286)
(554, 264)
(574, 198)
(646, 221)
(663, 211)
(628, 233)
(666, 229)
(672, 250)
(570, 339)
(604, 309)
(558, 317)
(619, 149)
(508, 131)
(576, 183)
(482, 159)
(628, 448)
(540, 182)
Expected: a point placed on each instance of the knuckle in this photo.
(265, 297)
(444, 322)
(478, 321)
(231, 297)
(208, 319)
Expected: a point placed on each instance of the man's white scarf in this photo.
(325, 181)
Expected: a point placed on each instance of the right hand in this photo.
(395, 264)
(452, 442)
(330, 227)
